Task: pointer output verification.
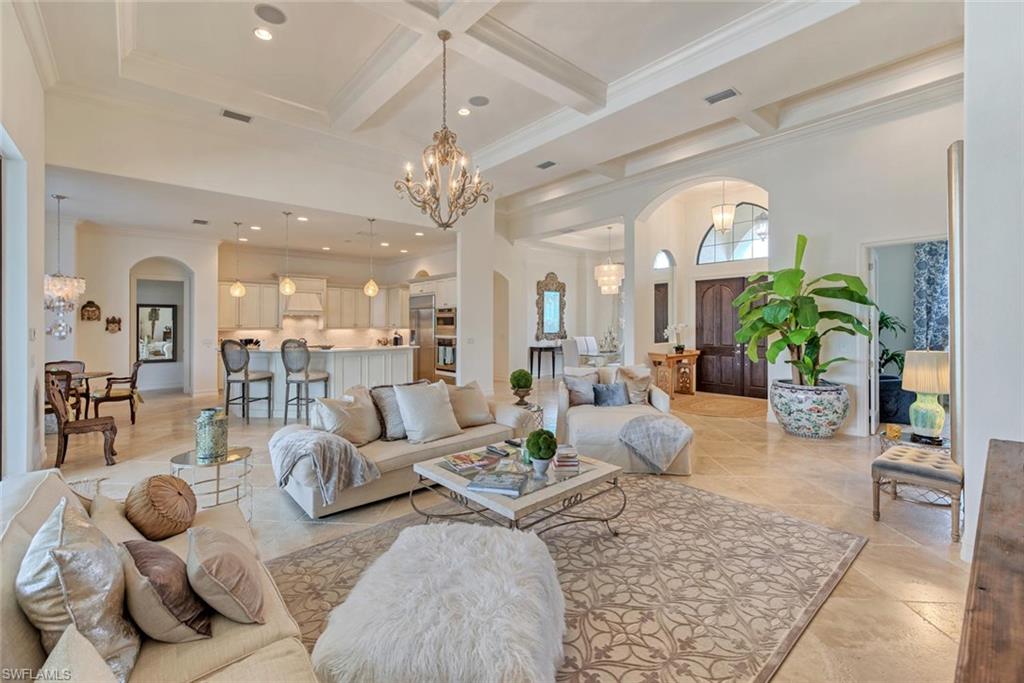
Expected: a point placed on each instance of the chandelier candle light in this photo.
(371, 289)
(445, 169)
(722, 215)
(61, 292)
(286, 286)
(609, 275)
(237, 289)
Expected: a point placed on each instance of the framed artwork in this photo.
(113, 325)
(90, 310)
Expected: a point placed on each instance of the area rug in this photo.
(696, 586)
(719, 405)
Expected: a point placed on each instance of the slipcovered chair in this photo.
(236, 371)
(110, 394)
(295, 356)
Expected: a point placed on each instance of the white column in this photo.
(475, 281)
(629, 336)
(993, 318)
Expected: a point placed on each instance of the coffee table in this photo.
(550, 498)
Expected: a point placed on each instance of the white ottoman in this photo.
(451, 603)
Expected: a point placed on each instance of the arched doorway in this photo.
(160, 323)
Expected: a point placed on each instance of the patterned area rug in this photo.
(696, 586)
(720, 405)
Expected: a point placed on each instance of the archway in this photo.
(166, 286)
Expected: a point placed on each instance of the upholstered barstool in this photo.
(929, 469)
(236, 371)
(295, 356)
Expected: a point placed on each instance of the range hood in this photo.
(304, 304)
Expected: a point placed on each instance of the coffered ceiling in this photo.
(583, 84)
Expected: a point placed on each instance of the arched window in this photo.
(664, 260)
(748, 238)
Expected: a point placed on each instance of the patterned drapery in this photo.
(931, 296)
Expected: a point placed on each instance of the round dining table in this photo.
(85, 377)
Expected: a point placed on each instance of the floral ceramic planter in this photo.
(811, 412)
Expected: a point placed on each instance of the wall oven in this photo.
(447, 360)
(446, 322)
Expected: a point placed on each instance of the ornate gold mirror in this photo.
(550, 308)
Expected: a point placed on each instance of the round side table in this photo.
(228, 484)
(537, 413)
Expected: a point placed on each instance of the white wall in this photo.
(993, 319)
(23, 146)
(895, 293)
(438, 263)
(162, 281)
(105, 257)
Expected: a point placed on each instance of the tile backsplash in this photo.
(293, 328)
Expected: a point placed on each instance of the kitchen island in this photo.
(347, 366)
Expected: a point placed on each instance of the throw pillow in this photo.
(225, 574)
(74, 658)
(108, 516)
(392, 427)
(608, 395)
(71, 574)
(160, 506)
(353, 417)
(637, 379)
(160, 599)
(470, 405)
(426, 412)
(581, 389)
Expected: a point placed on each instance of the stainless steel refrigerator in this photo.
(421, 324)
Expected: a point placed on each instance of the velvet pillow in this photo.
(71, 574)
(638, 382)
(608, 395)
(353, 417)
(581, 389)
(74, 658)
(470, 405)
(160, 506)
(225, 574)
(427, 412)
(160, 599)
(392, 427)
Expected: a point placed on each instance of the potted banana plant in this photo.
(782, 308)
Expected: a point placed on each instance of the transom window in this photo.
(664, 260)
(747, 239)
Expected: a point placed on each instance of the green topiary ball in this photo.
(541, 445)
(521, 379)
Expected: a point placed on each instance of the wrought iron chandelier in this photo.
(608, 274)
(445, 169)
(60, 291)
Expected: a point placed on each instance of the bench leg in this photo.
(954, 514)
(876, 484)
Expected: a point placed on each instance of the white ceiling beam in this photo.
(492, 44)
(763, 121)
(613, 170)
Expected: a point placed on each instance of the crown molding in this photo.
(147, 233)
(30, 16)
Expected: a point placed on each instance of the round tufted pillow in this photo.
(160, 506)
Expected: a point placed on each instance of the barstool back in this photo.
(235, 356)
(295, 356)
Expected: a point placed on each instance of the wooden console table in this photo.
(676, 372)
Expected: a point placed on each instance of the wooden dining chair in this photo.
(78, 387)
(66, 427)
(112, 393)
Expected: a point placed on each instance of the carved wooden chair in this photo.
(66, 427)
(74, 389)
(113, 393)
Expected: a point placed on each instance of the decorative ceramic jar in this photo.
(522, 394)
(211, 435)
(811, 412)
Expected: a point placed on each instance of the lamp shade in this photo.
(926, 372)
(722, 216)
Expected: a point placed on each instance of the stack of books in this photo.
(567, 460)
(502, 483)
(463, 463)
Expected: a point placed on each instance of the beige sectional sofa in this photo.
(395, 459)
(236, 652)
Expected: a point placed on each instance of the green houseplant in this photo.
(541, 445)
(782, 308)
(521, 382)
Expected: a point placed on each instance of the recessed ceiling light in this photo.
(255, 227)
(385, 244)
(263, 33)
(325, 248)
(464, 112)
(479, 101)
(243, 239)
(403, 251)
(302, 219)
(419, 234)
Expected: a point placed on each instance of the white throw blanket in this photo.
(337, 464)
(656, 439)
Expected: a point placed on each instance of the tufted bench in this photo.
(919, 467)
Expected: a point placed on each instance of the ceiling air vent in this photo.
(234, 115)
(724, 95)
(200, 221)
(545, 165)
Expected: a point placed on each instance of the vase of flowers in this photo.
(522, 383)
(674, 333)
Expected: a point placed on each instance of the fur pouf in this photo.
(449, 603)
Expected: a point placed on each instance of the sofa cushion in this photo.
(391, 424)
(225, 574)
(470, 405)
(593, 424)
(611, 395)
(160, 599)
(581, 389)
(108, 515)
(353, 417)
(75, 659)
(285, 661)
(638, 382)
(393, 455)
(426, 412)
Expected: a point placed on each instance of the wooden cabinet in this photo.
(258, 309)
(379, 309)
(446, 294)
(348, 307)
(227, 307)
(270, 309)
(249, 308)
(333, 312)
(417, 288)
(398, 306)
(362, 310)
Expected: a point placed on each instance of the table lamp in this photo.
(927, 374)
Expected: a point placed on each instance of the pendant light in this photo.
(237, 289)
(722, 215)
(286, 286)
(371, 289)
(761, 226)
(61, 292)
(608, 274)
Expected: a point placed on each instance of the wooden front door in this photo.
(723, 366)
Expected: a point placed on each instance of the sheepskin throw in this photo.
(449, 602)
(336, 463)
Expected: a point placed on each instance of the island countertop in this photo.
(338, 349)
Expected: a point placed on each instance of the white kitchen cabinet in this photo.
(379, 310)
(348, 307)
(362, 310)
(445, 295)
(398, 306)
(249, 308)
(270, 310)
(417, 288)
(227, 307)
(334, 307)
